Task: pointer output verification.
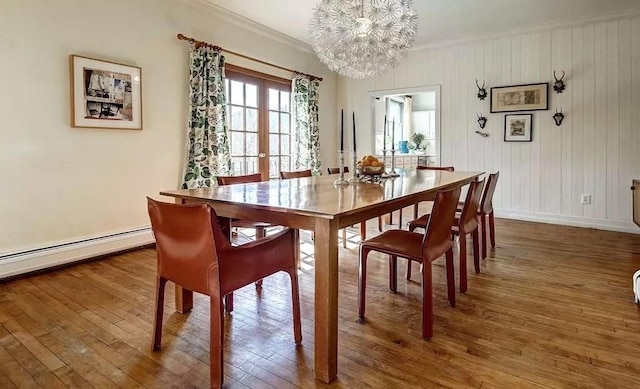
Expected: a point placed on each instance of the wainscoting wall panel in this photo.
(596, 151)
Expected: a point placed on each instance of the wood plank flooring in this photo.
(552, 308)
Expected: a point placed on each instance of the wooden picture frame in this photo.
(518, 127)
(105, 94)
(527, 97)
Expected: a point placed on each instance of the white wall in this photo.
(61, 184)
(597, 149)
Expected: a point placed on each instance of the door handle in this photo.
(261, 155)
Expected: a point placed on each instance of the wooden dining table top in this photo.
(319, 197)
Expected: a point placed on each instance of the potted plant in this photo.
(417, 139)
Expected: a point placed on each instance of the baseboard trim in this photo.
(573, 221)
(29, 261)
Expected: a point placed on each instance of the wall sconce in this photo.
(482, 92)
(558, 117)
(558, 85)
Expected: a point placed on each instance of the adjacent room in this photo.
(320, 194)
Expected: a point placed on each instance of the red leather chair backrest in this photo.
(298, 174)
(445, 168)
(437, 238)
(486, 206)
(468, 217)
(336, 170)
(230, 180)
(184, 243)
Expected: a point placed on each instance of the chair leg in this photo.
(476, 250)
(363, 230)
(379, 223)
(400, 219)
(415, 211)
(451, 281)
(427, 301)
(216, 337)
(492, 230)
(362, 282)
(156, 343)
(296, 247)
(463, 261)
(295, 303)
(228, 303)
(260, 233)
(483, 223)
(393, 273)
(344, 238)
(408, 269)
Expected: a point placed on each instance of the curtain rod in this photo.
(205, 44)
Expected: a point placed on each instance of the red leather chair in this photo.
(423, 249)
(415, 207)
(465, 224)
(486, 209)
(193, 253)
(297, 174)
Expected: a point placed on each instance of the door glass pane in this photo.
(274, 167)
(284, 145)
(274, 144)
(252, 165)
(237, 118)
(252, 120)
(237, 166)
(252, 143)
(284, 162)
(237, 143)
(273, 122)
(237, 92)
(284, 123)
(273, 100)
(284, 101)
(252, 95)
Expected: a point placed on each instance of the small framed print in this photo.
(517, 128)
(529, 97)
(105, 94)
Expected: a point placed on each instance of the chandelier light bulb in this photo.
(363, 38)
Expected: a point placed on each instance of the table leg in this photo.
(326, 300)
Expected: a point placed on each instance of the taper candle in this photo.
(384, 136)
(393, 134)
(342, 130)
(354, 132)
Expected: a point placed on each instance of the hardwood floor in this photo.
(553, 307)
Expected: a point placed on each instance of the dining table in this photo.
(318, 204)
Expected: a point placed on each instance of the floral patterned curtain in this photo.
(208, 139)
(305, 118)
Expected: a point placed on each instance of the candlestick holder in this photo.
(355, 179)
(341, 181)
(393, 172)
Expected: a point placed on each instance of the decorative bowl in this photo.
(370, 170)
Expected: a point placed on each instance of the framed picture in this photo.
(105, 94)
(517, 128)
(530, 97)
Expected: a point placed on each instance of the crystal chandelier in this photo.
(363, 38)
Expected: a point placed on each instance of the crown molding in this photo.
(248, 24)
(568, 23)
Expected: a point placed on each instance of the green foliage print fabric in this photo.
(305, 116)
(208, 139)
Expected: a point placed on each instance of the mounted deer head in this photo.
(558, 117)
(482, 93)
(482, 121)
(558, 85)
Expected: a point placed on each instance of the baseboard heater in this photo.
(26, 261)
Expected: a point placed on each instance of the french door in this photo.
(259, 119)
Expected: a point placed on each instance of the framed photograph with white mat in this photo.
(105, 94)
(517, 128)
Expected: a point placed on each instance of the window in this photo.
(259, 119)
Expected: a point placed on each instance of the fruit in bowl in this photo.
(370, 166)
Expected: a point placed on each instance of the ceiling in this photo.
(440, 20)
